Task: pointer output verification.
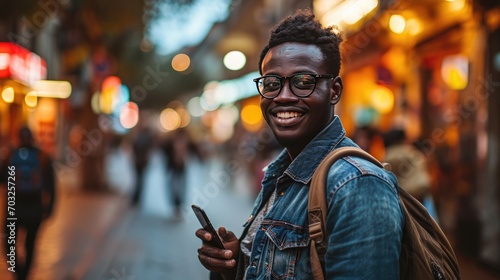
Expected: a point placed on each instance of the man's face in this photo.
(295, 121)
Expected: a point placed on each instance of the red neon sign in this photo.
(20, 64)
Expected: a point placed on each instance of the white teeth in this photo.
(287, 115)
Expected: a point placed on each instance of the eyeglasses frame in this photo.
(289, 78)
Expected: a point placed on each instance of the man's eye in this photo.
(272, 84)
(303, 81)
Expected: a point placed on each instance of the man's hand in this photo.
(219, 260)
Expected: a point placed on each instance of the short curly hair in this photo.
(302, 27)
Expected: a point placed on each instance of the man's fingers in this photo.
(215, 252)
(223, 232)
(213, 262)
(203, 235)
(226, 235)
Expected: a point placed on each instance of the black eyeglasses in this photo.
(301, 85)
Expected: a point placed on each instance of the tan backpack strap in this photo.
(317, 206)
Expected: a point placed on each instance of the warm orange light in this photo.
(53, 89)
(46, 110)
(111, 82)
(397, 24)
(184, 115)
(8, 95)
(251, 114)
(414, 26)
(348, 12)
(251, 117)
(110, 92)
(382, 99)
(170, 119)
(31, 99)
(455, 71)
(457, 5)
(181, 62)
(222, 126)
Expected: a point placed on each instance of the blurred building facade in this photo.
(429, 67)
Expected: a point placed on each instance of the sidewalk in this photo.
(72, 235)
(150, 243)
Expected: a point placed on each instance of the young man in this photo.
(300, 87)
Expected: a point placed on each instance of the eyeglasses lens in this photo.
(302, 85)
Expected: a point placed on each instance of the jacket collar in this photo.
(303, 166)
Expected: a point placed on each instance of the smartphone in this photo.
(207, 225)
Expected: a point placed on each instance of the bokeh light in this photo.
(397, 24)
(382, 100)
(455, 71)
(110, 92)
(414, 26)
(184, 115)
(169, 119)
(251, 114)
(181, 62)
(194, 107)
(94, 102)
(129, 115)
(31, 99)
(234, 60)
(8, 95)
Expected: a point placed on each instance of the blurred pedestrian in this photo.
(142, 145)
(33, 186)
(299, 89)
(369, 139)
(409, 165)
(177, 150)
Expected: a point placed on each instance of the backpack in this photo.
(425, 250)
(28, 170)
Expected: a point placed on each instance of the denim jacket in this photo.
(364, 220)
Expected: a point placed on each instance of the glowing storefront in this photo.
(27, 98)
(427, 66)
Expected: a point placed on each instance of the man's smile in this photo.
(287, 115)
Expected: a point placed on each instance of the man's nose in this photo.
(286, 94)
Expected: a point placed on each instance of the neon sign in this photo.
(20, 64)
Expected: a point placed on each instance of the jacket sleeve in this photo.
(365, 224)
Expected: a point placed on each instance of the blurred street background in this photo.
(157, 96)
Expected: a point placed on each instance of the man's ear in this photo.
(336, 90)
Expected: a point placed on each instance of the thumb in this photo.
(226, 235)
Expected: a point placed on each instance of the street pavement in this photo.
(95, 236)
(151, 243)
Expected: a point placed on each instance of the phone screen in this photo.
(207, 225)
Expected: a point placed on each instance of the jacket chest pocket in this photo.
(287, 253)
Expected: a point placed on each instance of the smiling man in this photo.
(299, 88)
